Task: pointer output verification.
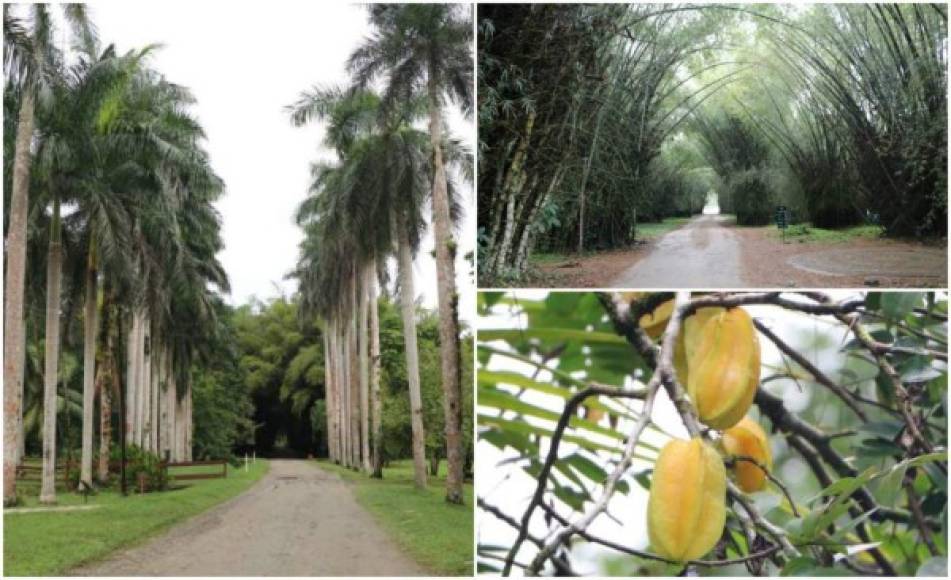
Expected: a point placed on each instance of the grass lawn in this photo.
(44, 544)
(652, 230)
(806, 233)
(437, 535)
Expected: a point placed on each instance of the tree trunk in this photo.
(377, 457)
(344, 393)
(54, 275)
(14, 332)
(189, 454)
(90, 323)
(131, 341)
(168, 408)
(106, 381)
(142, 386)
(328, 395)
(408, 308)
(364, 374)
(354, 362)
(448, 306)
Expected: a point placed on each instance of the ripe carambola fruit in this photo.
(689, 338)
(724, 369)
(747, 439)
(686, 510)
(655, 322)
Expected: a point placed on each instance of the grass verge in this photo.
(803, 233)
(52, 543)
(653, 230)
(434, 533)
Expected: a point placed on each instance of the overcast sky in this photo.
(244, 64)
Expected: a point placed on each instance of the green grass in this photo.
(806, 233)
(652, 230)
(436, 534)
(44, 544)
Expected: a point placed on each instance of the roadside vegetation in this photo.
(837, 112)
(438, 535)
(51, 543)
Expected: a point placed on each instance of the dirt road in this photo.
(702, 254)
(297, 521)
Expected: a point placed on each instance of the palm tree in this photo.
(69, 160)
(383, 178)
(430, 45)
(30, 64)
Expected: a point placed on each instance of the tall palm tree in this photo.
(69, 162)
(30, 65)
(383, 178)
(430, 45)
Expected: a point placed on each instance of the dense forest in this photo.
(595, 118)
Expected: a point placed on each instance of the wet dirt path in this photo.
(702, 254)
(297, 521)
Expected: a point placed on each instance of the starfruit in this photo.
(724, 368)
(686, 510)
(747, 439)
(689, 338)
(593, 414)
(655, 322)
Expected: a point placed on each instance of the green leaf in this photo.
(897, 305)
(889, 488)
(549, 335)
(804, 566)
(506, 401)
(884, 429)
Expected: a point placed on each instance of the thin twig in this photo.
(810, 368)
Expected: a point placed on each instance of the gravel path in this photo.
(702, 254)
(297, 521)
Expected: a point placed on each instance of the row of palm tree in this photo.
(108, 161)
(369, 205)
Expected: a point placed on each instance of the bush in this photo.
(146, 463)
(752, 198)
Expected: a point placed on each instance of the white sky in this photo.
(244, 64)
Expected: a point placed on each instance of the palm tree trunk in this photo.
(364, 374)
(448, 305)
(408, 308)
(131, 341)
(89, 365)
(377, 457)
(345, 390)
(141, 386)
(14, 332)
(105, 383)
(168, 408)
(328, 390)
(354, 361)
(188, 423)
(54, 275)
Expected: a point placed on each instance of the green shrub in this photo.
(752, 198)
(146, 463)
